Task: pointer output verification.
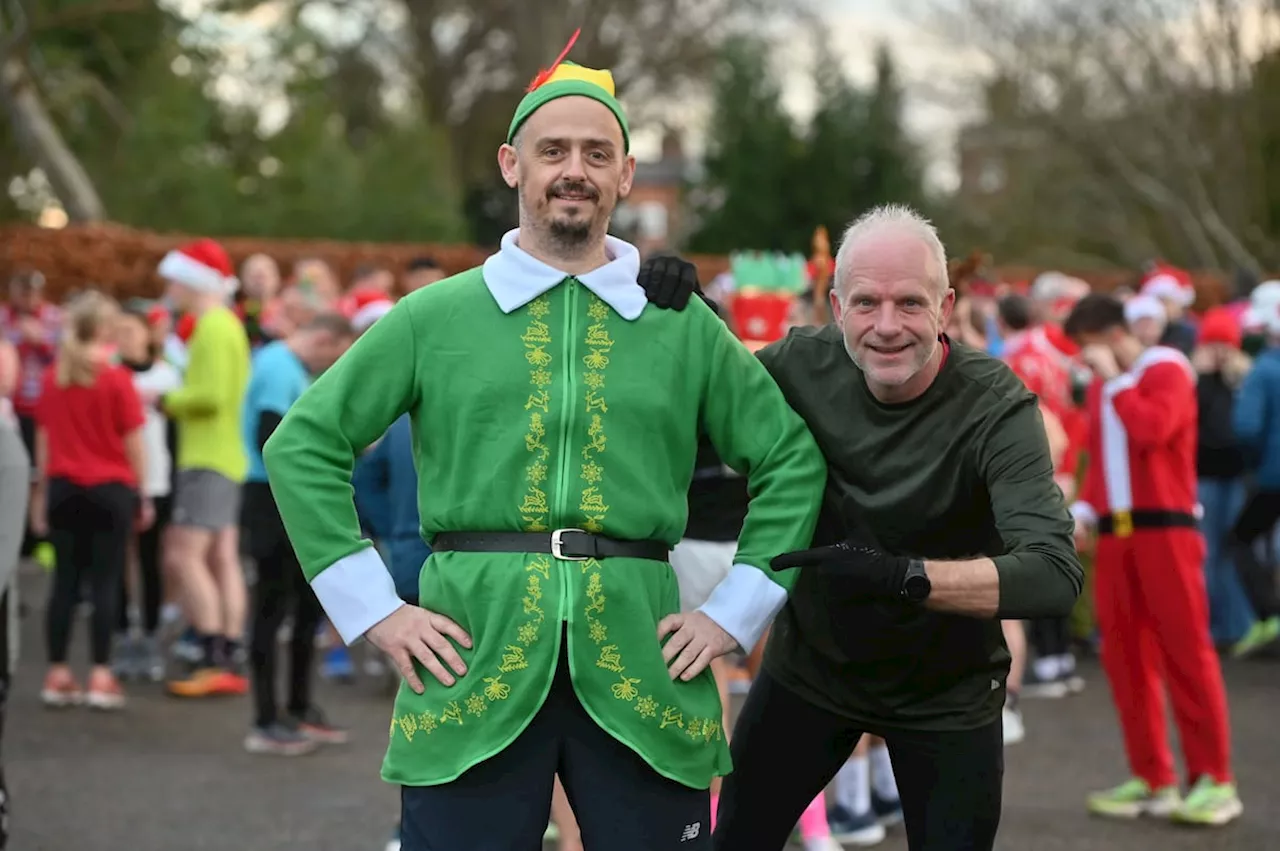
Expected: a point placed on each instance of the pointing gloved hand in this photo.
(859, 569)
(668, 281)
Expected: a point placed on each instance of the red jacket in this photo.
(1047, 373)
(1142, 439)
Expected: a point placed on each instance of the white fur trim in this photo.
(744, 604)
(1115, 440)
(370, 314)
(1145, 307)
(1084, 512)
(182, 269)
(1167, 286)
(357, 592)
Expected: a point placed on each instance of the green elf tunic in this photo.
(541, 401)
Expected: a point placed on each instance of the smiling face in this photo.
(571, 168)
(891, 303)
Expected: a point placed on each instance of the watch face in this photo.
(917, 587)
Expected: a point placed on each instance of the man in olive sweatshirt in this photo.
(941, 518)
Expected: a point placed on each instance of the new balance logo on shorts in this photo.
(691, 831)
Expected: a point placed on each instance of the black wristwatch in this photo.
(916, 585)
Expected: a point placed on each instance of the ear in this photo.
(947, 307)
(507, 158)
(837, 308)
(628, 176)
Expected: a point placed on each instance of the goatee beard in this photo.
(570, 237)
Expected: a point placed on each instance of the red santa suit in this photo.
(1046, 371)
(1140, 490)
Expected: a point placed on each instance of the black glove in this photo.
(859, 569)
(668, 281)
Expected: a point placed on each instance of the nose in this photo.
(888, 323)
(575, 166)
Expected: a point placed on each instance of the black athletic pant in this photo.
(1050, 636)
(27, 428)
(150, 577)
(281, 586)
(1257, 518)
(90, 529)
(5, 679)
(786, 751)
(621, 803)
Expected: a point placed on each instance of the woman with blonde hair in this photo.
(90, 460)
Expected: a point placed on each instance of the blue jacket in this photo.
(1257, 418)
(386, 493)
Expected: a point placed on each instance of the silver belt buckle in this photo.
(557, 545)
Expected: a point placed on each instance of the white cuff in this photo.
(744, 603)
(356, 592)
(1085, 513)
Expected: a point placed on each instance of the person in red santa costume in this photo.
(1139, 495)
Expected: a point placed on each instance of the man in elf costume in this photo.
(555, 424)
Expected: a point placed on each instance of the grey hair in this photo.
(892, 217)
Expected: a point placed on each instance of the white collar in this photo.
(515, 277)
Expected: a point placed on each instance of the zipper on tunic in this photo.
(566, 416)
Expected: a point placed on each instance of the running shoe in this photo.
(861, 829)
(316, 727)
(61, 690)
(1134, 798)
(278, 740)
(1210, 804)
(104, 691)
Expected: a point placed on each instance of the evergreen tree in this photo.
(749, 196)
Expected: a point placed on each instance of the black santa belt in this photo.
(1122, 523)
(563, 544)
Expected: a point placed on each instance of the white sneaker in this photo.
(1014, 730)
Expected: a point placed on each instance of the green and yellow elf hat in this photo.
(564, 79)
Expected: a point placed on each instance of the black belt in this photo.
(564, 544)
(1122, 523)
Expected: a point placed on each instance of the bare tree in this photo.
(1154, 99)
(34, 129)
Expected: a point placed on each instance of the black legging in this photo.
(280, 585)
(1050, 636)
(149, 575)
(786, 751)
(89, 528)
(1257, 518)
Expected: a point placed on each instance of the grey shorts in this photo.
(206, 500)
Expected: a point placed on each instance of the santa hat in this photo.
(1171, 283)
(202, 265)
(371, 313)
(1220, 326)
(1263, 313)
(1144, 306)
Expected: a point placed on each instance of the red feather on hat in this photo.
(545, 74)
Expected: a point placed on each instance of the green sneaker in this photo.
(1259, 635)
(45, 556)
(1135, 798)
(1210, 803)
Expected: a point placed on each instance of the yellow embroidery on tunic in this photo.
(534, 509)
(610, 659)
(626, 689)
(495, 689)
(452, 712)
(476, 705)
(595, 509)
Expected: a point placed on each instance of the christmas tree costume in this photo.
(541, 402)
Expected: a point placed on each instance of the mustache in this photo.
(573, 187)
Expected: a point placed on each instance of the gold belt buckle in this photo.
(1122, 524)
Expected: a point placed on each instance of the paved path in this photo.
(170, 776)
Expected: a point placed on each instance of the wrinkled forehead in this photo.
(892, 263)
